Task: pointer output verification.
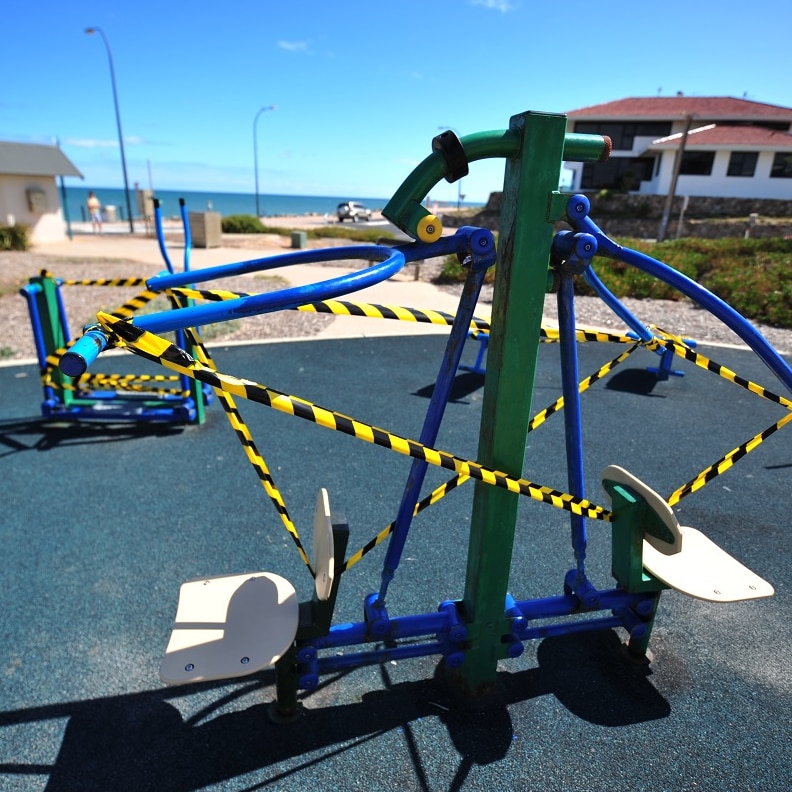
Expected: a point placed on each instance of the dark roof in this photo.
(721, 135)
(709, 107)
(33, 159)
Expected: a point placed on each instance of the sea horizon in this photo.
(226, 203)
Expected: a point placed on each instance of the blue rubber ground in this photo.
(100, 525)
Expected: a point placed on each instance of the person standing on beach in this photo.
(95, 213)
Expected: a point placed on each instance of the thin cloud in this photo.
(496, 5)
(294, 46)
(95, 143)
(91, 143)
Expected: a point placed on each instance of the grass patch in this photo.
(248, 224)
(753, 275)
(359, 234)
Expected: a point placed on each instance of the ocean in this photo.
(225, 203)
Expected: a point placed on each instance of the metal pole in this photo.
(674, 178)
(255, 153)
(64, 201)
(90, 31)
(526, 235)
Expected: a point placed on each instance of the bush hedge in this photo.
(753, 275)
(15, 237)
(242, 224)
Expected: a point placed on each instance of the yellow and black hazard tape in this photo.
(97, 281)
(679, 348)
(727, 461)
(583, 386)
(429, 500)
(444, 489)
(251, 451)
(132, 306)
(682, 350)
(345, 308)
(169, 355)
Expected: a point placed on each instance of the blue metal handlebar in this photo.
(577, 212)
(83, 352)
(474, 244)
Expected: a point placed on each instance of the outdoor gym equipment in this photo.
(107, 397)
(219, 635)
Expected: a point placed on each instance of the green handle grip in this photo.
(404, 209)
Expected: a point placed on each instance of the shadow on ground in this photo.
(141, 741)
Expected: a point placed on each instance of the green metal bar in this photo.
(404, 208)
(632, 519)
(52, 330)
(316, 617)
(520, 286)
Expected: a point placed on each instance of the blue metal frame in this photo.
(105, 405)
(578, 217)
(445, 631)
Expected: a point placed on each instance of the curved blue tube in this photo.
(187, 234)
(161, 235)
(704, 297)
(613, 302)
(197, 315)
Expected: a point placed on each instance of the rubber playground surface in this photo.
(101, 524)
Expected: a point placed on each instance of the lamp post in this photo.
(90, 31)
(459, 182)
(255, 153)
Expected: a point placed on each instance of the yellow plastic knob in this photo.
(429, 228)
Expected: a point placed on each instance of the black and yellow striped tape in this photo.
(167, 354)
(682, 350)
(727, 461)
(584, 385)
(429, 500)
(251, 451)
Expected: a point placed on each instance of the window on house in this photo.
(742, 163)
(623, 135)
(697, 163)
(782, 165)
(617, 173)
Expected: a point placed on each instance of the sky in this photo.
(359, 89)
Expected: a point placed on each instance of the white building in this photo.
(28, 189)
(735, 148)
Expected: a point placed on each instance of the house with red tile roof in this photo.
(730, 148)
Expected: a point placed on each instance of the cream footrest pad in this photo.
(230, 626)
(691, 563)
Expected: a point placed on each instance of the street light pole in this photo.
(91, 31)
(255, 153)
(459, 182)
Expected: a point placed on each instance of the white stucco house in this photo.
(734, 148)
(29, 192)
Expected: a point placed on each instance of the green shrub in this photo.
(14, 237)
(753, 275)
(368, 235)
(242, 224)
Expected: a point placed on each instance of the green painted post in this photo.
(526, 234)
(52, 330)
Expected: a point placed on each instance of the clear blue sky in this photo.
(360, 88)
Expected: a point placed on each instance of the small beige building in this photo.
(29, 192)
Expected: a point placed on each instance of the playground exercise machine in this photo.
(108, 397)
(234, 625)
